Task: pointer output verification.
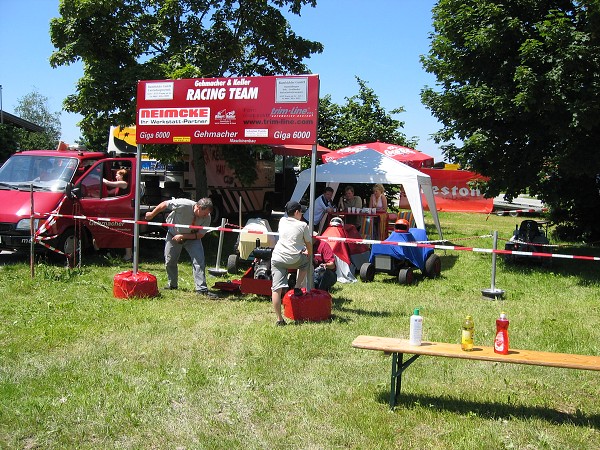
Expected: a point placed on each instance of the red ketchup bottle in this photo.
(501, 341)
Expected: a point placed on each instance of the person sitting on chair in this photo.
(378, 199)
(321, 206)
(324, 275)
(349, 200)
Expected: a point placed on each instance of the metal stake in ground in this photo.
(217, 271)
(493, 292)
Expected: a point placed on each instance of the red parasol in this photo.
(408, 156)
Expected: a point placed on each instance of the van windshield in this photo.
(47, 173)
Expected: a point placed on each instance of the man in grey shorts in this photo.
(291, 252)
(186, 212)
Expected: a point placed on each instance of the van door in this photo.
(98, 199)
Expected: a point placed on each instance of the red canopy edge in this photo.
(406, 155)
(298, 150)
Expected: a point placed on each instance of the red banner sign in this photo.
(453, 193)
(246, 110)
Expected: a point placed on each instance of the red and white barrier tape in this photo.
(341, 239)
(45, 226)
(160, 224)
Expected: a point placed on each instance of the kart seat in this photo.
(529, 230)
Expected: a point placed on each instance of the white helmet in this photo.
(336, 222)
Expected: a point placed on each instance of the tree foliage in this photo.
(34, 108)
(518, 83)
(9, 141)
(123, 41)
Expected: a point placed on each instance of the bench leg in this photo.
(397, 368)
(396, 382)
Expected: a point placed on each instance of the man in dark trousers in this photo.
(183, 212)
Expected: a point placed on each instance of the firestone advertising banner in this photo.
(453, 192)
(246, 110)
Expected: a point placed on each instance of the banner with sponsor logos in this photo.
(245, 110)
(453, 193)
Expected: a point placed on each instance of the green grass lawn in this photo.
(81, 369)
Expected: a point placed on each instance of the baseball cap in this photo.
(292, 206)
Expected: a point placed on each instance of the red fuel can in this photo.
(312, 306)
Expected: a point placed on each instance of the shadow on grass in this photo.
(448, 260)
(339, 306)
(586, 271)
(491, 410)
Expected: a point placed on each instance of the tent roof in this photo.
(370, 166)
(367, 166)
(409, 156)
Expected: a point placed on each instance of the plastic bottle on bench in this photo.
(468, 332)
(501, 341)
(416, 328)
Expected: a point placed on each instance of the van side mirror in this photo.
(72, 191)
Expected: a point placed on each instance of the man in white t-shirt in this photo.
(291, 251)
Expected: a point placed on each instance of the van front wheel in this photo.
(66, 243)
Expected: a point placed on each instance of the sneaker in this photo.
(280, 323)
(208, 294)
(297, 292)
(170, 288)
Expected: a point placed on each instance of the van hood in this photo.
(16, 205)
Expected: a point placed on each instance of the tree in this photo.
(8, 141)
(123, 41)
(34, 108)
(361, 119)
(518, 85)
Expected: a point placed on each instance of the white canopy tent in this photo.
(370, 166)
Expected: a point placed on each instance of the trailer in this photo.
(519, 206)
(274, 183)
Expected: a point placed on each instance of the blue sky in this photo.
(379, 41)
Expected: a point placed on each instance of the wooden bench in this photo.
(398, 347)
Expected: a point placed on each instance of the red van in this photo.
(69, 183)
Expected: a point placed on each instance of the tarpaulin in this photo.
(350, 256)
(416, 255)
(128, 284)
